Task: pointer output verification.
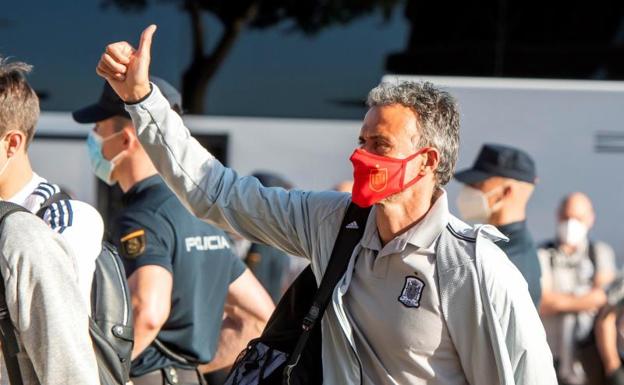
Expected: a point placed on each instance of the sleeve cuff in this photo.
(144, 98)
(238, 269)
(133, 265)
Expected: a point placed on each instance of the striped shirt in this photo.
(80, 224)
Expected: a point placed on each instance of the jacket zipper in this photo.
(358, 361)
(356, 251)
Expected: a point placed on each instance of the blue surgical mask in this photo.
(101, 167)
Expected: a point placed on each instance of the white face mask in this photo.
(473, 204)
(572, 232)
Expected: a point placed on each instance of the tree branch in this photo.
(197, 28)
(230, 33)
(204, 66)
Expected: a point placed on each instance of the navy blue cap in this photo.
(111, 105)
(499, 160)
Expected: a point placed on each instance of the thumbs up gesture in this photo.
(127, 69)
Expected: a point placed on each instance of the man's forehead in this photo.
(575, 212)
(393, 119)
(578, 204)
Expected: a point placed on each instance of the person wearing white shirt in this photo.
(46, 291)
(79, 223)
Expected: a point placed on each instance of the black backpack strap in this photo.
(55, 198)
(592, 254)
(350, 233)
(10, 347)
(591, 251)
(550, 247)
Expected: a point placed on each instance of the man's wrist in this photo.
(139, 94)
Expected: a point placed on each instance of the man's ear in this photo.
(431, 160)
(130, 139)
(592, 219)
(508, 189)
(14, 141)
(505, 192)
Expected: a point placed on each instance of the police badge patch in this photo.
(412, 291)
(133, 244)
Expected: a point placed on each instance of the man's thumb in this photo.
(145, 44)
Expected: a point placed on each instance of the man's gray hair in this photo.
(19, 104)
(437, 114)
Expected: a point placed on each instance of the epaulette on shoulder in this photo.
(461, 230)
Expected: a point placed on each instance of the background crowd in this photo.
(198, 292)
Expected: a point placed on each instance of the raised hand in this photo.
(127, 69)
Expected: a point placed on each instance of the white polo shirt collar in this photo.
(422, 235)
(21, 196)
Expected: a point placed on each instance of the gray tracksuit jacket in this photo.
(485, 302)
(45, 304)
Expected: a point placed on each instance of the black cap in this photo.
(111, 105)
(499, 160)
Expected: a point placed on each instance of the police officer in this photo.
(496, 190)
(180, 269)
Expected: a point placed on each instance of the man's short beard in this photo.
(394, 198)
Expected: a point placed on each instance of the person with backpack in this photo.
(575, 273)
(182, 271)
(44, 314)
(424, 299)
(80, 224)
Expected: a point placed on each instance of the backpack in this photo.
(551, 247)
(290, 347)
(110, 321)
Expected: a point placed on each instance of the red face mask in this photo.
(376, 177)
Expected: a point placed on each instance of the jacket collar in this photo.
(421, 235)
(21, 196)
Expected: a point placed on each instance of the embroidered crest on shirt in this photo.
(412, 291)
(133, 244)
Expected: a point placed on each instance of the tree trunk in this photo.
(197, 76)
